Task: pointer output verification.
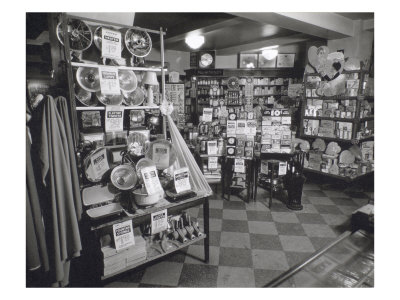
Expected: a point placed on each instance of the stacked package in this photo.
(115, 261)
(276, 136)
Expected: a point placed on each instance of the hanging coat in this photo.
(62, 108)
(36, 251)
(62, 231)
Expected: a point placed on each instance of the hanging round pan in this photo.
(109, 99)
(138, 42)
(134, 98)
(127, 80)
(88, 78)
(85, 97)
(80, 35)
(124, 177)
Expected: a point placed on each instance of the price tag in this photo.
(239, 165)
(99, 163)
(159, 221)
(230, 127)
(212, 163)
(110, 43)
(181, 180)
(151, 181)
(114, 118)
(241, 127)
(123, 235)
(207, 114)
(212, 148)
(161, 155)
(282, 168)
(109, 81)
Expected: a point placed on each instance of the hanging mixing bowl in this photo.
(143, 199)
(137, 143)
(85, 97)
(123, 177)
(127, 80)
(109, 99)
(88, 78)
(134, 98)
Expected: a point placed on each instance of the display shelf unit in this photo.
(93, 227)
(355, 120)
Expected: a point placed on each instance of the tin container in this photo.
(203, 146)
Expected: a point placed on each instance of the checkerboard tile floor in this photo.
(250, 244)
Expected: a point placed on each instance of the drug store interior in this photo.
(200, 149)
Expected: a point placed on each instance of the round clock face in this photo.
(205, 60)
(231, 151)
(231, 141)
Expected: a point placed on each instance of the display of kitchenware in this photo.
(80, 34)
(333, 148)
(127, 80)
(138, 42)
(319, 144)
(88, 78)
(123, 177)
(346, 157)
(134, 98)
(141, 197)
(96, 175)
(85, 97)
(233, 83)
(97, 37)
(109, 99)
(162, 153)
(137, 143)
(143, 163)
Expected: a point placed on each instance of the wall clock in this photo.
(206, 59)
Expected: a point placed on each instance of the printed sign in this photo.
(151, 181)
(114, 118)
(109, 81)
(239, 165)
(159, 221)
(207, 114)
(282, 168)
(123, 235)
(161, 155)
(212, 148)
(110, 43)
(241, 127)
(230, 127)
(181, 180)
(99, 163)
(212, 163)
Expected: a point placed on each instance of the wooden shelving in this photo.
(345, 178)
(125, 107)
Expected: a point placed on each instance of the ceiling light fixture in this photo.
(270, 53)
(194, 41)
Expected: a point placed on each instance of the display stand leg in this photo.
(271, 190)
(255, 181)
(206, 230)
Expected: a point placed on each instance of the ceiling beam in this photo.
(257, 46)
(204, 28)
(368, 24)
(320, 24)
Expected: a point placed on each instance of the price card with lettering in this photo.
(159, 221)
(110, 43)
(230, 127)
(282, 168)
(207, 114)
(161, 155)
(109, 81)
(114, 118)
(212, 163)
(212, 148)
(239, 165)
(99, 163)
(151, 180)
(181, 180)
(241, 127)
(123, 235)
